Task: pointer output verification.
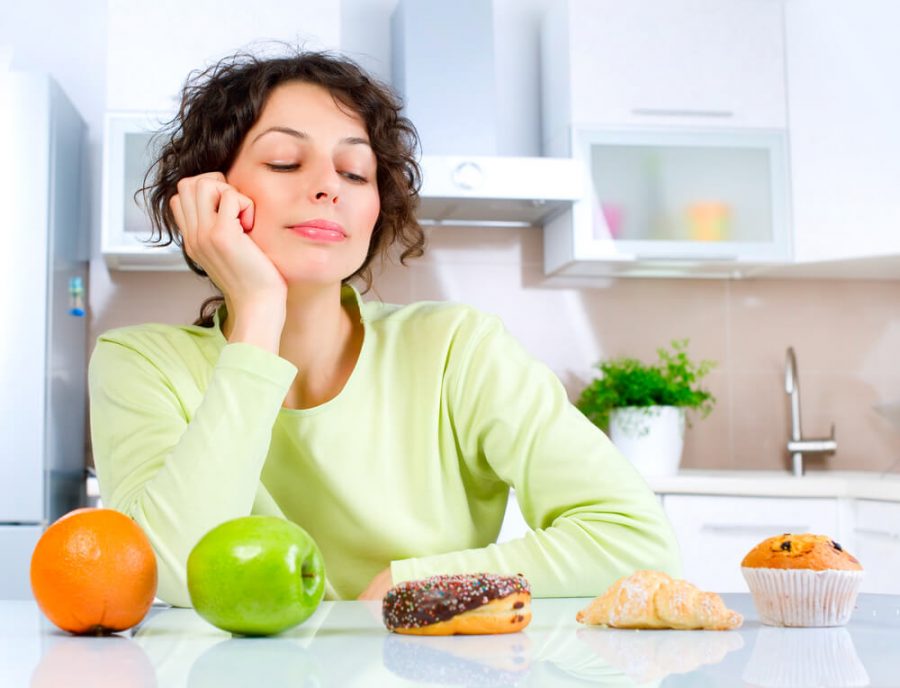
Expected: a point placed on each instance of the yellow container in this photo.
(709, 221)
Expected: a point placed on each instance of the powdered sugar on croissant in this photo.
(653, 599)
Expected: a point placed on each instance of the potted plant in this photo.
(642, 407)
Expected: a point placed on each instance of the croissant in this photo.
(652, 599)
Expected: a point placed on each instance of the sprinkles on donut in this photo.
(478, 603)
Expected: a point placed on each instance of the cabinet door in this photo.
(702, 202)
(842, 60)
(17, 544)
(645, 61)
(716, 532)
(128, 154)
(876, 543)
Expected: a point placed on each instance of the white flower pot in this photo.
(651, 437)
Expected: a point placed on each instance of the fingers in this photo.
(207, 198)
(247, 216)
(195, 207)
(233, 204)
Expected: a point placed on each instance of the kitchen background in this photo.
(130, 55)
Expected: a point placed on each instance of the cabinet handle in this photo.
(672, 112)
(880, 534)
(720, 257)
(751, 530)
(493, 224)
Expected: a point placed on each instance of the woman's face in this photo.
(310, 171)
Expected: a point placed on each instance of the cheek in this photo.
(369, 207)
(239, 176)
(268, 199)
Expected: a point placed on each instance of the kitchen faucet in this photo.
(798, 446)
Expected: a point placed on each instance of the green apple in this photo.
(256, 575)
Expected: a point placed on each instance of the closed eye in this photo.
(275, 167)
(355, 177)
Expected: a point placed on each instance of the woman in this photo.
(391, 434)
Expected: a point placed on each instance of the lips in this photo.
(320, 230)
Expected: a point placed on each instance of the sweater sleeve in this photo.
(179, 471)
(593, 517)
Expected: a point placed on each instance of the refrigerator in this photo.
(43, 324)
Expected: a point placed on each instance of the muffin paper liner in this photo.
(803, 597)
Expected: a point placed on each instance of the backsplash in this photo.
(846, 334)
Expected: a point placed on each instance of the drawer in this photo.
(876, 543)
(715, 532)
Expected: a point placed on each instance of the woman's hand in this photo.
(214, 219)
(378, 587)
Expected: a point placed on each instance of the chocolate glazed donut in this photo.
(467, 604)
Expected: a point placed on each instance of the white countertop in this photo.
(345, 644)
(860, 484)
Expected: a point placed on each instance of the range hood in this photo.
(443, 67)
(496, 191)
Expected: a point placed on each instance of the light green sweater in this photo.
(409, 466)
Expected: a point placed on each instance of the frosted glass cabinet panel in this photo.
(669, 193)
(713, 197)
(126, 225)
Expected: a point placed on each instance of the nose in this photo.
(326, 197)
(325, 184)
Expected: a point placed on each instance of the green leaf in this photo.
(672, 381)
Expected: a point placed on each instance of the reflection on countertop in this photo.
(345, 644)
(651, 656)
(819, 657)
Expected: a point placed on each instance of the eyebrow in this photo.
(351, 140)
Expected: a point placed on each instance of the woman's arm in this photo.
(594, 518)
(177, 459)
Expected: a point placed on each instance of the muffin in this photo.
(802, 580)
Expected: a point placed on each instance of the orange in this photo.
(93, 571)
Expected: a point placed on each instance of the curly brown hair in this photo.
(220, 104)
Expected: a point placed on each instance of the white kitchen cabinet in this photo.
(842, 60)
(876, 543)
(126, 230)
(702, 202)
(678, 112)
(715, 532)
(708, 63)
(17, 543)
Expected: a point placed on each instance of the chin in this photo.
(314, 274)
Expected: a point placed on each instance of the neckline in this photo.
(348, 293)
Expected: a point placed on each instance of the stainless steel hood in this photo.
(443, 66)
